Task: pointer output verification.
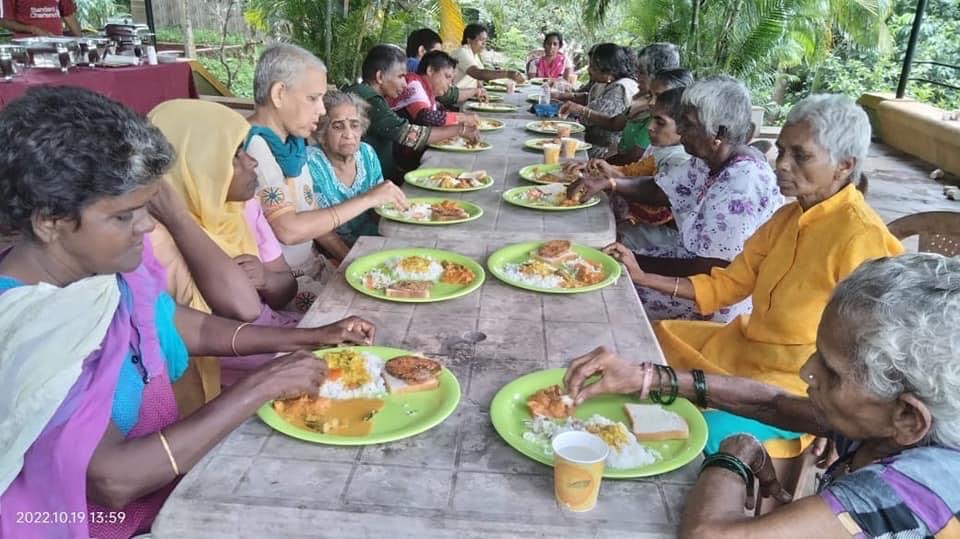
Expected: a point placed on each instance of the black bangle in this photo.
(655, 393)
(674, 386)
(699, 387)
(731, 463)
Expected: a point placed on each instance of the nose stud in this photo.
(810, 377)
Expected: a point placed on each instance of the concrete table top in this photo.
(459, 479)
(503, 223)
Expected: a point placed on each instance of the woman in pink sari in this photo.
(91, 441)
(553, 64)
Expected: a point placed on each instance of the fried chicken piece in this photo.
(550, 402)
(413, 369)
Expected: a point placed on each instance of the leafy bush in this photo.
(93, 14)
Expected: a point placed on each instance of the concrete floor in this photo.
(899, 185)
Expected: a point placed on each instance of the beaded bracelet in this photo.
(699, 387)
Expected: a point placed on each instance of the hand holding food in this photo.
(350, 330)
(617, 375)
(599, 167)
(387, 192)
(517, 77)
(471, 134)
(254, 269)
(469, 119)
(587, 187)
(625, 256)
(299, 373)
(570, 107)
(574, 168)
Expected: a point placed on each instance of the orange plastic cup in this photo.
(551, 153)
(578, 460)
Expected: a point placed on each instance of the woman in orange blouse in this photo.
(789, 266)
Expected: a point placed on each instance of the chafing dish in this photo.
(93, 49)
(12, 61)
(50, 52)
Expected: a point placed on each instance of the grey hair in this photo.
(900, 314)
(722, 101)
(336, 98)
(656, 57)
(284, 63)
(839, 126)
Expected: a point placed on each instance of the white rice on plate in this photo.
(433, 273)
(512, 271)
(416, 212)
(541, 431)
(333, 389)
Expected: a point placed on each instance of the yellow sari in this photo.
(206, 137)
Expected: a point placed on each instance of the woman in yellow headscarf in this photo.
(219, 253)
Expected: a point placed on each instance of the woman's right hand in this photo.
(387, 192)
(599, 167)
(517, 77)
(574, 167)
(616, 375)
(292, 375)
(167, 206)
(469, 119)
(587, 186)
(626, 257)
(569, 107)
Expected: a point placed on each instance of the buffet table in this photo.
(139, 87)
(459, 479)
(502, 222)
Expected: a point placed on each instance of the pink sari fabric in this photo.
(52, 482)
(552, 69)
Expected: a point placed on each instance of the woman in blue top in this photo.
(343, 168)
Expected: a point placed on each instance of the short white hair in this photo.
(900, 315)
(722, 101)
(839, 126)
(284, 63)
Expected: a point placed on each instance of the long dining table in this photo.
(501, 221)
(458, 479)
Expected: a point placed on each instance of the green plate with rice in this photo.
(490, 99)
(519, 196)
(535, 173)
(419, 204)
(537, 144)
(380, 268)
(503, 265)
(510, 415)
(402, 415)
(423, 178)
(491, 107)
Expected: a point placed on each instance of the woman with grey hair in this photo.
(883, 385)
(346, 172)
(718, 199)
(288, 86)
(790, 266)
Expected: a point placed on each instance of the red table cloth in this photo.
(139, 87)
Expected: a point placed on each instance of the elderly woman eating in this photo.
(882, 383)
(289, 85)
(718, 198)
(91, 336)
(611, 90)
(346, 172)
(634, 120)
(790, 266)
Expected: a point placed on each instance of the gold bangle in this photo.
(166, 447)
(233, 341)
(613, 185)
(676, 288)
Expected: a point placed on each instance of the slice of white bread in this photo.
(652, 422)
(409, 289)
(475, 175)
(397, 386)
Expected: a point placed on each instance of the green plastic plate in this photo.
(489, 124)
(418, 178)
(537, 144)
(538, 80)
(509, 411)
(531, 172)
(543, 126)
(516, 196)
(402, 416)
(520, 253)
(481, 147)
(490, 99)
(440, 291)
(388, 212)
(491, 107)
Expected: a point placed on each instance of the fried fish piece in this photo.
(550, 402)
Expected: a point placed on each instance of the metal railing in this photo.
(936, 82)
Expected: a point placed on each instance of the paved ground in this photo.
(899, 185)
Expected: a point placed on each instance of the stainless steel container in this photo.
(93, 49)
(50, 52)
(12, 61)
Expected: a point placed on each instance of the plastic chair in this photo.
(939, 231)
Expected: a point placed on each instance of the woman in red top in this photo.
(27, 18)
(418, 102)
(553, 64)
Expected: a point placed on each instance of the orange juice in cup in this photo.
(551, 153)
(563, 131)
(569, 147)
(578, 459)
